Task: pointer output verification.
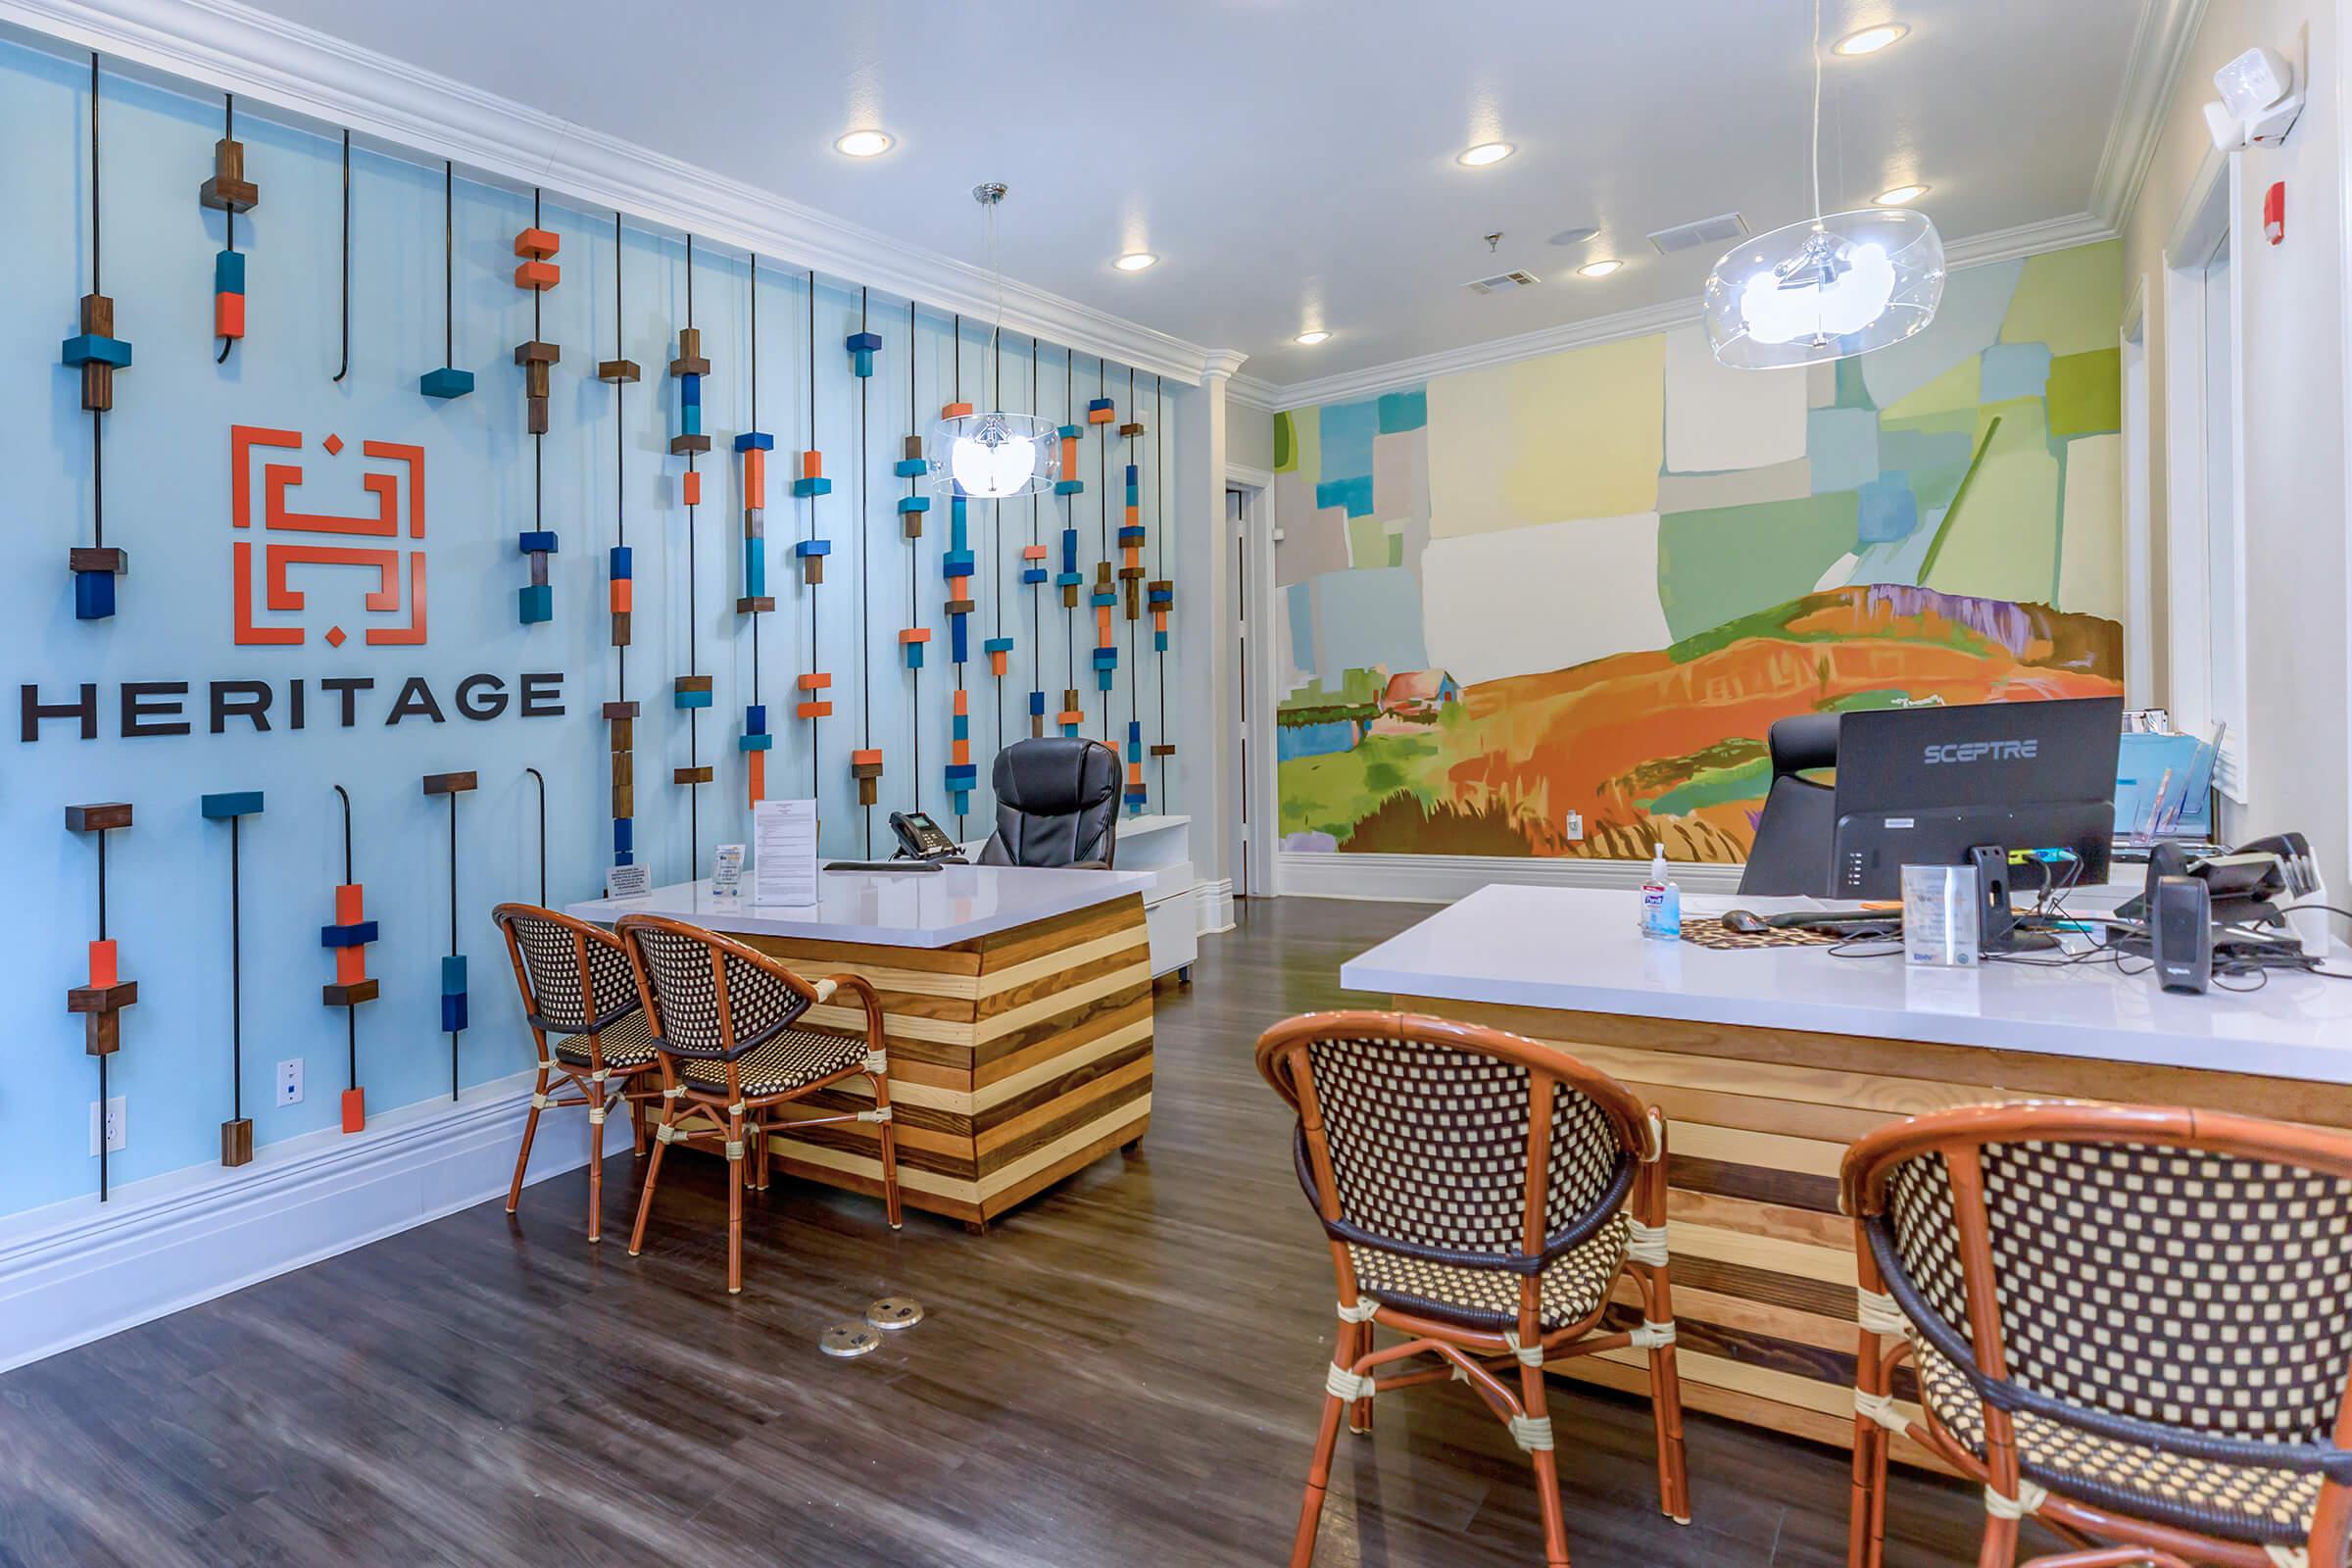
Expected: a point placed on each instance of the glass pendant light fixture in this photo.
(1841, 284)
(995, 454)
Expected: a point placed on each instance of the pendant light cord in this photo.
(1817, 113)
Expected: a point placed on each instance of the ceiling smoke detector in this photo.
(1503, 282)
(1719, 233)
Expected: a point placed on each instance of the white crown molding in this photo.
(1247, 477)
(227, 46)
(2160, 47)
(1223, 363)
(79, 1270)
(1253, 393)
(1444, 878)
(2001, 245)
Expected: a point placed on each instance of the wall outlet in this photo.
(289, 1081)
(117, 1125)
(1574, 827)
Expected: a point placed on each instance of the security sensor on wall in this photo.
(2260, 101)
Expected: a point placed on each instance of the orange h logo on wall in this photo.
(261, 579)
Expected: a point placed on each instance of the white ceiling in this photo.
(1293, 161)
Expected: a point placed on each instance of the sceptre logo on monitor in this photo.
(1982, 752)
(279, 535)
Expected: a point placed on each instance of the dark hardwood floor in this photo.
(1126, 1371)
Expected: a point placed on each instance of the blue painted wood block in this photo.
(622, 564)
(911, 467)
(1069, 487)
(536, 602)
(914, 504)
(1094, 404)
(235, 803)
(624, 835)
(1071, 432)
(956, 564)
(446, 382)
(1131, 535)
(862, 347)
(754, 441)
(755, 572)
(532, 540)
(958, 640)
(813, 547)
(90, 346)
(754, 742)
(690, 391)
(1036, 703)
(453, 1012)
(1068, 580)
(356, 935)
(996, 645)
(690, 699)
(814, 485)
(93, 595)
(228, 272)
(755, 717)
(915, 654)
(964, 775)
(690, 419)
(1107, 657)
(1159, 642)
(1033, 574)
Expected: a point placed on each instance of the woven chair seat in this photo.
(1574, 1286)
(794, 1057)
(626, 1044)
(2238, 1502)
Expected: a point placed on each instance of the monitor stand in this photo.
(1997, 920)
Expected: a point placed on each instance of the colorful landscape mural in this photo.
(1573, 592)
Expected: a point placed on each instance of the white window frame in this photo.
(2211, 209)
(2139, 592)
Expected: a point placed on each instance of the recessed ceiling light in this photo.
(1599, 269)
(1310, 339)
(1575, 236)
(1869, 41)
(1900, 195)
(865, 144)
(1485, 153)
(1135, 260)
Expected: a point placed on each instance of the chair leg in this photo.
(652, 1174)
(1666, 1416)
(531, 1130)
(1548, 1474)
(2000, 1544)
(596, 1166)
(637, 1128)
(759, 1152)
(1358, 1339)
(1865, 1531)
(890, 1151)
(1318, 1482)
(735, 1179)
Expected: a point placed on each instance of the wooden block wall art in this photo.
(1105, 599)
(810, 483)
(1036, 715)
(862, 347)
(228, 192)
(448, 382)
(911, 515)
(1070, 579)
(1136, 795)
(962, 776)
(955, 410)
(538, 361)
(1130, 543)
(622, 717)
(228, 295)
(622, 570)
(691, 691)
(1099, 410)
(1133, 429)
(453, 968)
(956, 566)
(811, 554)
(1163, 750)
(101, 999)
(347, 939)
(97, 353)
(752, 448)
(812, 705)
(537, 271)
(618, 372)
(1033, 569)
(865, 766)
(688, 368)
(1162, 596)
(537, 599)
(912, 643)
(1071, 716)
(998, 650)
(754, 743)
(233, 807)
(1067, 485)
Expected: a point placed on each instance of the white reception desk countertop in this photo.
(1578, 949)
(888, 909)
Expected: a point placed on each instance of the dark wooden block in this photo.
(98, 557)
(621, 628)
(448, 783)
(618, 372)
(914, 448)
(98, 818)
(229, 195)
(680, 445)
(101, 1034)
(690, 347)
(1164, 751)
(620, 710)
(237, 1141)
(624, 800)
(537, 353)
(338, 995)
(98, 314)
(624, 768)
(691, 775)
(1132, 430)
(102, 998)
(693, 683)
(759, 605)
(690, 364)
(97, 386)
(534, 416)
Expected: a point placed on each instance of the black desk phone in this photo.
(921, 839)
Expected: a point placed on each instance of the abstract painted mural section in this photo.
(1550, 607)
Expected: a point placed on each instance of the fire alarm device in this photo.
(2274, 211)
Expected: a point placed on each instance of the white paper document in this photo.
(784, 851)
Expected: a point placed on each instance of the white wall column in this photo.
(1210, 763)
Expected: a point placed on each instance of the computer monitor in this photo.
(1924, 786)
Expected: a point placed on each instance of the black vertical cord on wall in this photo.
(228, 133)
(1069, 517)
(1102, 508)
(237, 981)
(1037, 611)
(449, 263)
(542, 778)
(759, 544)
(105, 1056)
(1133, 674)
(1159, 529)
(351, 1011)
(453, 927)
(539, 440)
(344, 368)
(97, 420)
(914, 700)
(694, 662)
(620, 453)
(866, 578)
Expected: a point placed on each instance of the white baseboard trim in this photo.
(1215, 902)
(1444, 878)
(79, 1270)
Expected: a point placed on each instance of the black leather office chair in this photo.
(1794, 837)
(1057, 805)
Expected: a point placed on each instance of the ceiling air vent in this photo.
(1719, 232)
(1502, 283)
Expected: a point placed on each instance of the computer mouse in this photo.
(1746, 922)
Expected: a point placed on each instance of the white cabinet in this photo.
(1161, 845)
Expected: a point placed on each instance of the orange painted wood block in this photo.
(812, 465)
(102, 965)
(540, 276)
(355, 1110)
(538, 243)
(870, 756)
(351, 906)
(690, 485)
(955, 410)
(814, 710)
(756, 777)
(755, 477)
(229, 316)
(624, 595)
(816, 682)
(1033, 552)
(915, 634)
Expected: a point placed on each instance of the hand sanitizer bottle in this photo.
(1661, 901)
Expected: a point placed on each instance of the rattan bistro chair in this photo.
(2132, 1323)
(732, 1044)
(1483, 1194)
(576, 982)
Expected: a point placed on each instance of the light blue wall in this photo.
(167, 504)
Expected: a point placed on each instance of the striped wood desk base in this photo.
(1757, 1123)
(1015, 1060)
